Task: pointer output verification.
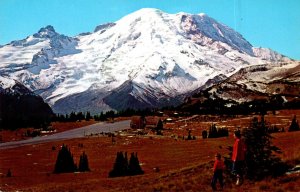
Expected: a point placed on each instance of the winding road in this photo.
(74, 133)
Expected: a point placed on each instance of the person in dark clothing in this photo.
(218, 172)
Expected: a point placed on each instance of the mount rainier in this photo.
(146, 59)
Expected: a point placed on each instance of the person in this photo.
(218, 172)
(238, 157)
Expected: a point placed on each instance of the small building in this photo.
(137, 122)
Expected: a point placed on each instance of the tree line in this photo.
(103, 116)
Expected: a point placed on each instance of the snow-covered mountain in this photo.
(146, 59)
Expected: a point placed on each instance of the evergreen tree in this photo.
(134, 167)
(83, 163)
(261, 160)
(294, 125)
(64, 162)
(213, 133)
(80, 116)
(189, 137)
(159, 127)
(204, 134)
(72, 116)
(88, 116)
(67, 118)
(123, 168)
(102, 117)
(120, 168)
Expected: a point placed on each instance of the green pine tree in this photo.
(261, 160)
(88, 116)
(120, 166)
(294, 125)
(64, 162)
(83, 163)
(134, 167)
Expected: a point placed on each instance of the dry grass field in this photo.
(183, 165)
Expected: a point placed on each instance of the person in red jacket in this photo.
(238, 157)
(218, 172)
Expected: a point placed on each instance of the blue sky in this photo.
(267, 23)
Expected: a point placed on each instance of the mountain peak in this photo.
(46, 32)
(202, 14)
(146, 12)
(47, 28)
(149, 10)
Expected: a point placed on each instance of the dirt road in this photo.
(75, 133)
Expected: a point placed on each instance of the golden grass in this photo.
(184, 165)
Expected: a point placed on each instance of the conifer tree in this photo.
(212, 131)
(261, 160)
(159, 127)
(123, 168)
(294, 125)
(88, 116)
(134, 167)
(83, 163)
(204, 134)
(119, 168)
(64, 162)
(102, 117)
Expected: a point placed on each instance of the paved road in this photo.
(74, 133)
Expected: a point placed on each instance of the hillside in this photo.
(19, 107)
(275, 85)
